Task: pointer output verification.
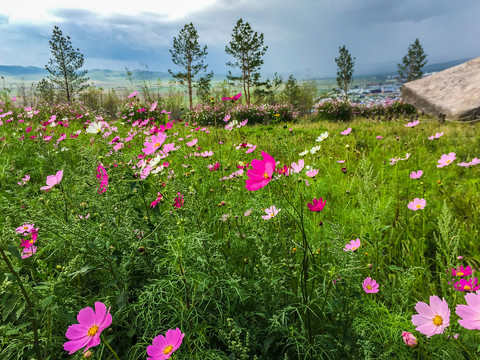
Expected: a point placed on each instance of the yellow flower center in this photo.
(353, 249)
(168, 349)
(448, 161)
(459, 273)
(272, 215)
(369, 287)
(157, 144)
(437, 320)
(466, 287)
(265, 175)
(25, 227)
(93, 330)
(98, 130)
(419, 206)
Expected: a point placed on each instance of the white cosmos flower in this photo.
(323, 136)
(304, 152)
(315, 149)
(94, 128)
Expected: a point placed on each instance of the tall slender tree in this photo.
(345, 65)
(188, 55)
(64, 65)
(412, 63)
(247, 48)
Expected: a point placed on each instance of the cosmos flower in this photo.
(312, 173)
(53, 180)
(467, 285)
(446, 159)
(353, 245)
(370, 286)
(413, 123)
(417, 204)
(470, 314)
(164, 346)
(261, 172)
(298, 167)
(416, 175)
(462, 271)
(154, 144)
(432, 319)
(322, 136)
(346, 132)
(317, 204)
(90, 325)
(409, 339)
(272, 211)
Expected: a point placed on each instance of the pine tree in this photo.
(344, 70)
(247, 48)
(412, 63)
(64, 65)
(188, 55)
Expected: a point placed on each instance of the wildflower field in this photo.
(148, 237)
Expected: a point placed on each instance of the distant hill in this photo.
(113, 78)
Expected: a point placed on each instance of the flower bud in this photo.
(87, 354)
(409, 339)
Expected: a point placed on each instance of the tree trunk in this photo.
(189, 80)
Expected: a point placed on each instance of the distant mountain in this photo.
(109, 78)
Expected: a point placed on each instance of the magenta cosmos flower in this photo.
(155, 142)
(262, 172)
(353, 245)
(102, 177)
(87, 332)
(164, 346)
(417, 204)
(370, 285)
(446, 159)
(431, 319)
(179, 202)
(470, 314)
(409, 339)
(53, 180)
(416, 174)
(462, 271)
(272, 211)
(317, 204)
(467, 285)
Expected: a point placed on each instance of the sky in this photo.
(303, 36)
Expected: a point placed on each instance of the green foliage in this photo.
(238, 286)
(64, 66)
(411, 67)
(188, 55)
(247, 48)
(345, 65)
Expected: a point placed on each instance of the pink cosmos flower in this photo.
(25, 228)
(214, 167)
(26, 243)
(157, 200)
(153, 107)
(370, 286)
(251, 149)
(409, 339)
(413, 123)
(467, 285)
(416, 175)
(317, 205)
(87, 332)
(24, 181)
(436, 136)
(261, 172)
(164, 346)
(446, 159)
(248, 212)
(417, 204)
(353, 245)
(432, 319)
(102, 177)
(471, 163)
(298, 167)
(470, 314)
(179, 202)
(53, 180)
(346, 132)
(28, 252)
(192, 143)
(312, 173)
(379, 137)
(462, 271)
(155, 142)
(133, 94)
(272, 211)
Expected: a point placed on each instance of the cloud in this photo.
(3, 19)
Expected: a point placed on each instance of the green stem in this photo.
(108, 345)
(36, 343)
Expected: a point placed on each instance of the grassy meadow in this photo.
(150, 215)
